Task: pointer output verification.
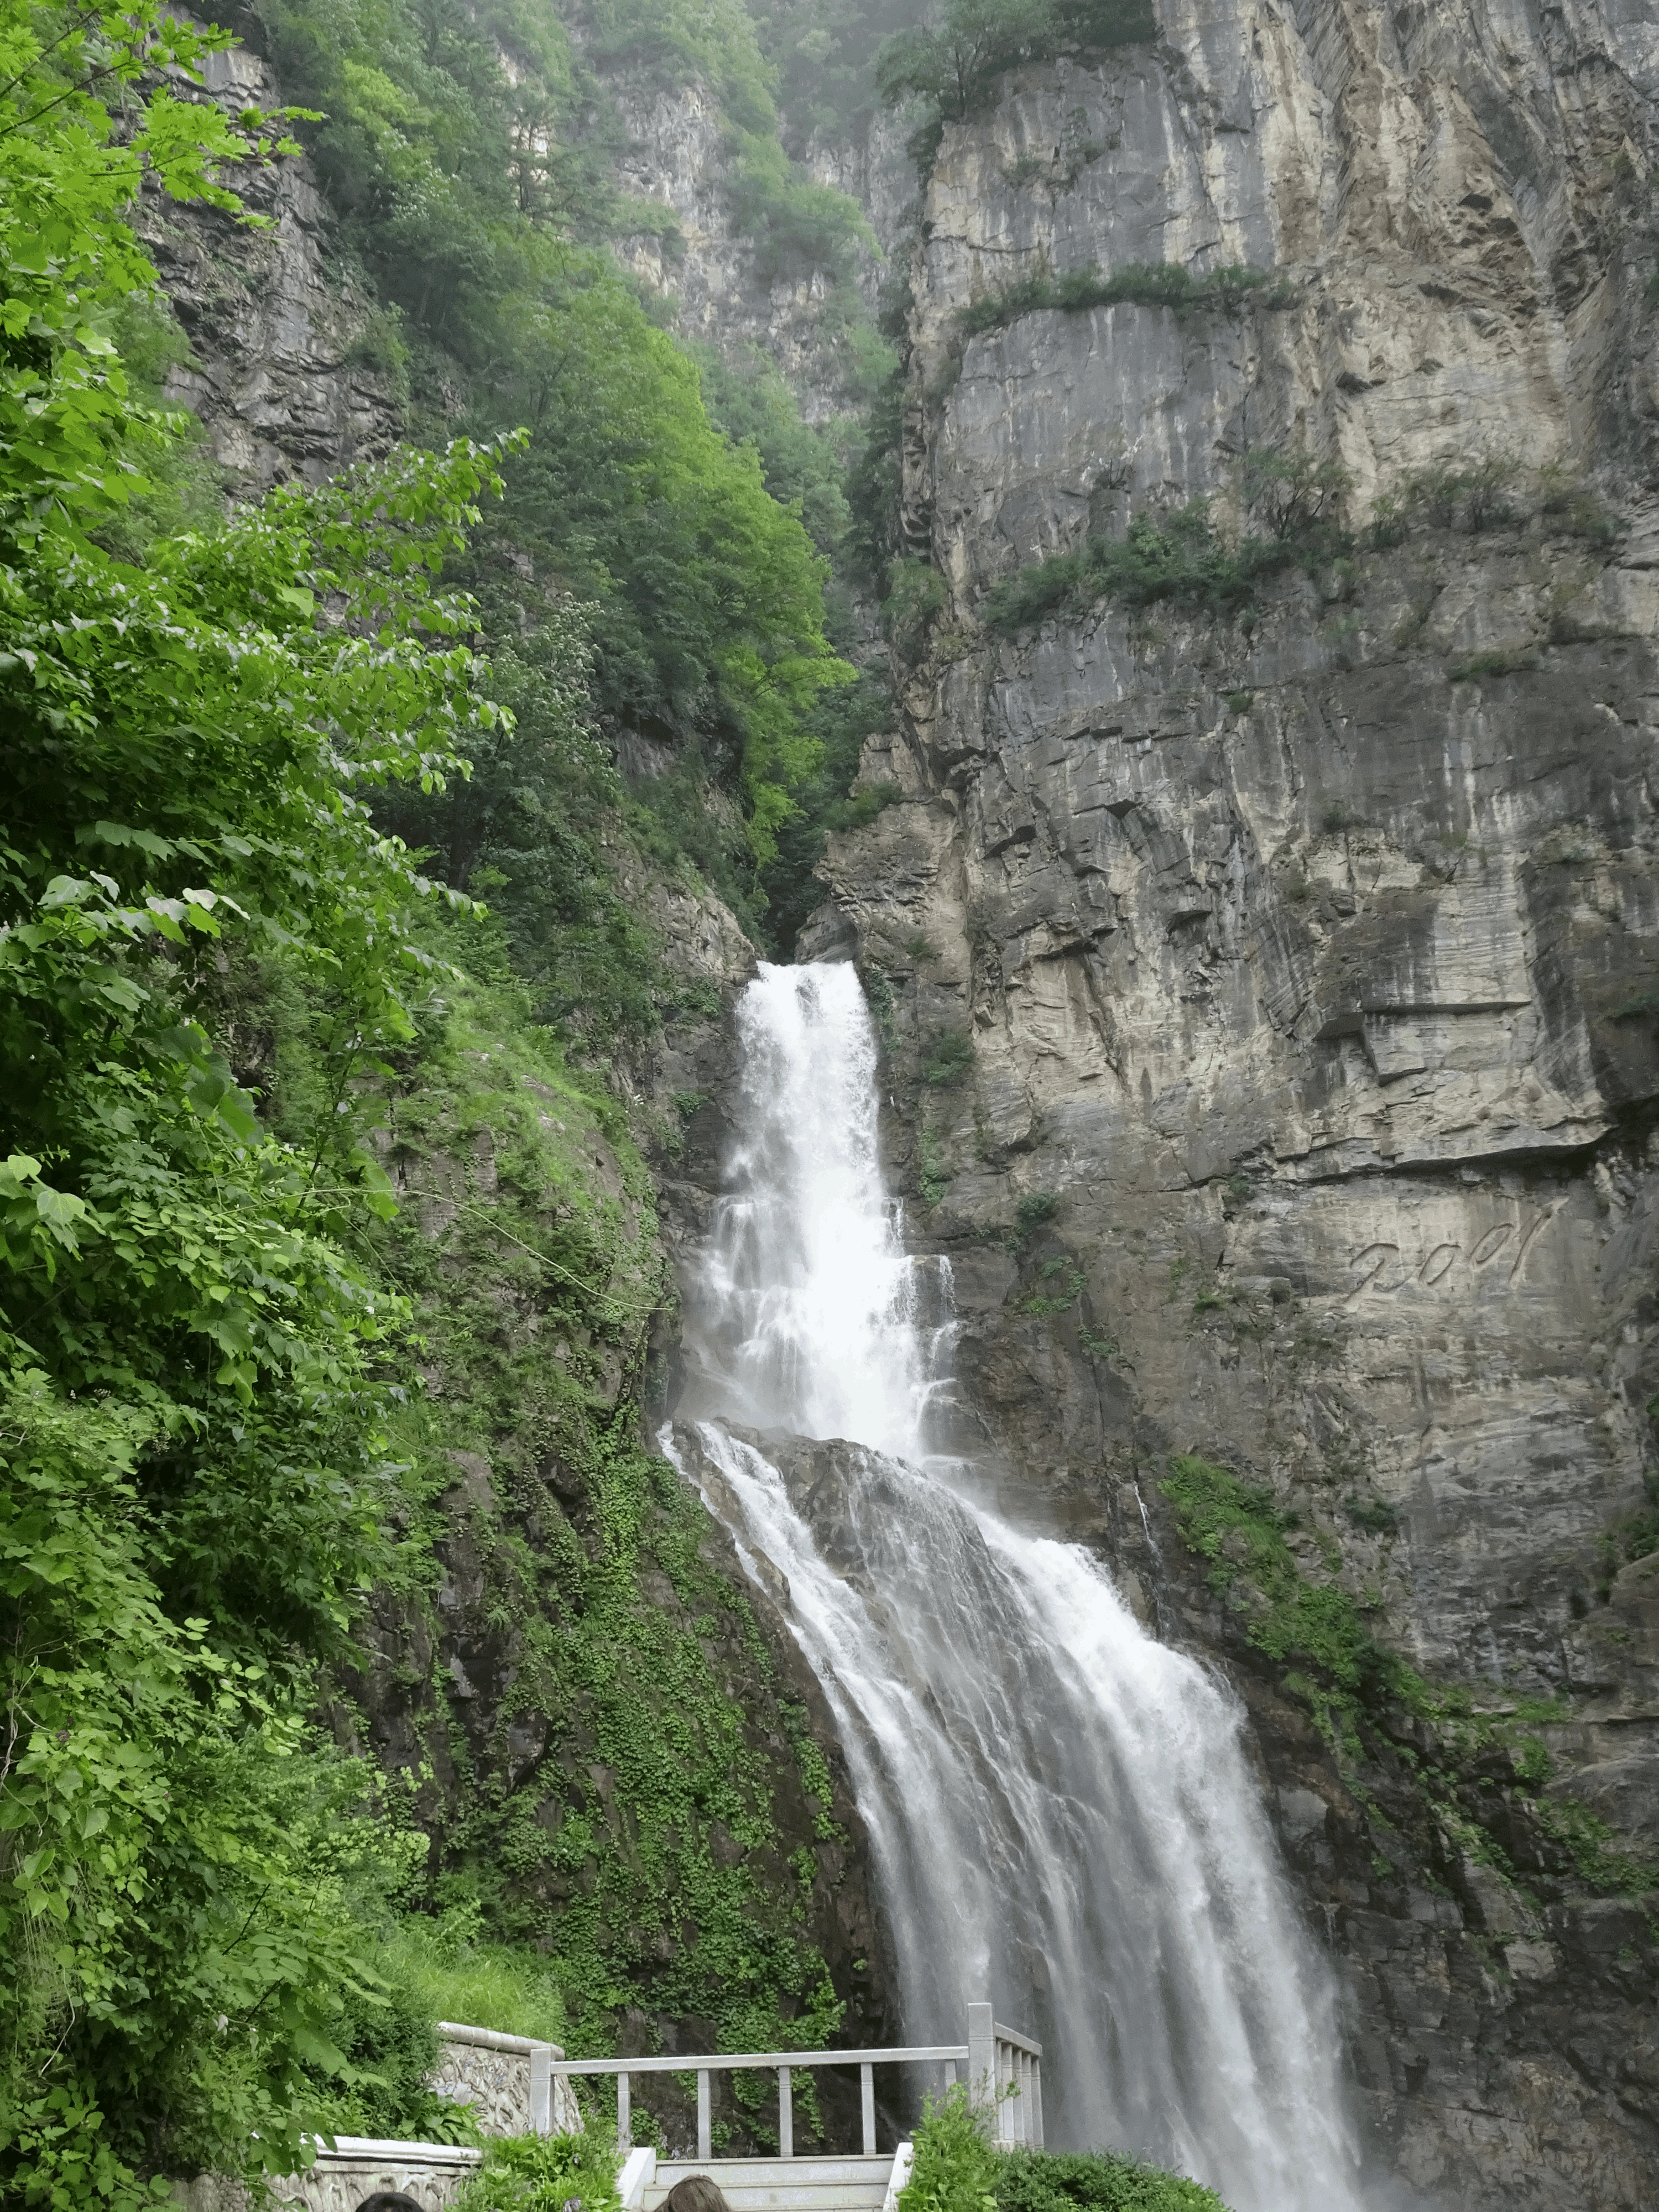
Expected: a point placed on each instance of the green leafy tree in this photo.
(953, 63)
(196, 1477)
(705, 596)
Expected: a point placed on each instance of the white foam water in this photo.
(1060, 1810)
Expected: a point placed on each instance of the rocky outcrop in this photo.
(293, 369)
(1309, 959)
(677, 161)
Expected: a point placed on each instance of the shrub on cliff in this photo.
(952, 66)
(1291, 499)
(1184, 560)
(958, 2169)
(1159, 284)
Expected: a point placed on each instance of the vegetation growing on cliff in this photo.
(1184, 559)
(1163, 284)
(600, 1781)
(469, 156)
(950, 68)
(215, 968)
(1437, 1747)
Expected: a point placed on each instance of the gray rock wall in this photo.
(287, 369)
(676, 153)
(1310, 962)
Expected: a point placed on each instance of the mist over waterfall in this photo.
(1059, 1807)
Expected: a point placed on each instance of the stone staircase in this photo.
(796, 2184)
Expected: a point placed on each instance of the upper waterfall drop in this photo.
(1059, 1808)
(809, 1312)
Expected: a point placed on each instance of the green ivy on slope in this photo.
(614, 1774)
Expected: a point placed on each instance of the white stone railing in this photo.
(1004, 2075)
(1012, 2063)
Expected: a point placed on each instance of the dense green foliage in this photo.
(199, 1478)
(1094, 2181)
(526, 830)
(954, 2168)
(706, 596)
(703, 595)
(824, 53)
(546, 2173)
(390, 2046)
(66, 423)
(1163, 284)
(957, 2169)
(455, 1971)
(748, 401)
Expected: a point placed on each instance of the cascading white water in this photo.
(1059, 1808)
(808, 1311)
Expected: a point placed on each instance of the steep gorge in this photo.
(1269, 1003)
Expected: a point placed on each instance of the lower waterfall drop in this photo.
(1059, 1808)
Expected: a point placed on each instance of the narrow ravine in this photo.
(1059, 1807)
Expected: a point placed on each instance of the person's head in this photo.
(391, 2200)
(697, 2193)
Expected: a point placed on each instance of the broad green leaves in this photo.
(196, 1482)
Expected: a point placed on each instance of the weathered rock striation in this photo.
(1309, 959)
(289, 368)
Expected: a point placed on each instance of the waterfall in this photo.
(1059, 1808)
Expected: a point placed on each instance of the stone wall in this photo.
(434, 2174)
(497, 2074)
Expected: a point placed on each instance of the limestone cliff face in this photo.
(287, 368)
(677, 156)
(1311, 966)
